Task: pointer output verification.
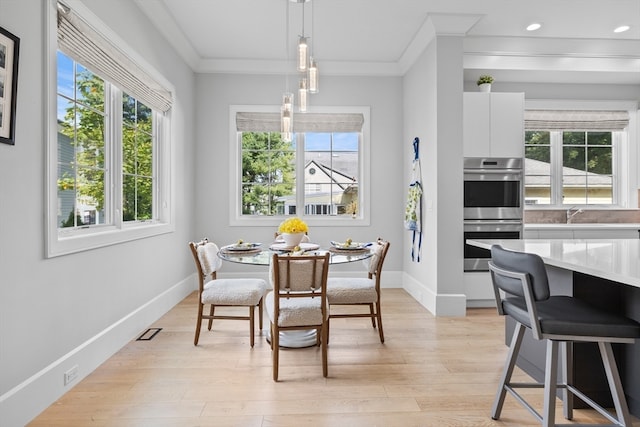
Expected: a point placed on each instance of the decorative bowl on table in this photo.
(292, 231)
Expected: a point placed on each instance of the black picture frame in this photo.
(9, 50)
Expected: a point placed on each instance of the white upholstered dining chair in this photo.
(298, 300)
(360, 291)
(243, 292)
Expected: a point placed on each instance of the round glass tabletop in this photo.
(264, 256)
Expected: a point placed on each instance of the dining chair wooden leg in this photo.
(198, 324)
(372, 313)
(325, 337)
(379, 316)
(275, 350)
(260, 305)
(252, 310)
(211, 314)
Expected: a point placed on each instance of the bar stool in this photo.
(522, 292)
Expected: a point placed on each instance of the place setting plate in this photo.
(304, 246)
(343, 247)
(242, 248)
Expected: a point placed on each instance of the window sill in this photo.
(62, 243)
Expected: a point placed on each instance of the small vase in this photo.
(485, 87)
(292, 239)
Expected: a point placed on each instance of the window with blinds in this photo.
(111, 159)
(319, 174)
(571, 157)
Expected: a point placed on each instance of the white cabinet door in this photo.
(507, 125)
(476, 125)
(555, 234)
(493, 124)
(622, 233)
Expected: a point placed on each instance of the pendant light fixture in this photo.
(286, 109)
(303, 49)
(313, 66)
(302, 95)
(286, 117)
(308, 69)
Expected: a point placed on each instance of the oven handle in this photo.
(497, 222)
(493, 171)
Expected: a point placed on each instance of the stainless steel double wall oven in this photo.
(493, 204)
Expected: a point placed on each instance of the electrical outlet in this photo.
(71, 375)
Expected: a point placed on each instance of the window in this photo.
(109, 159)
(572, 159)
(320, 174)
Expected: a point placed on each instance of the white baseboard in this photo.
(24, 402)
(437, 304)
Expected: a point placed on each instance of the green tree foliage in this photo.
(538, 146)
(583, 151)
(84, 124)
(588, 151)
(268, 172)
(137, 167)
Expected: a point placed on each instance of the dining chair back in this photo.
(359, 292)
(215, 292)
(298, 300)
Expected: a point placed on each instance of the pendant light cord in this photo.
(286, 46)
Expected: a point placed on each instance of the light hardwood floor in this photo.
(430, 372)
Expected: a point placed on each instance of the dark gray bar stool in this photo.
(522, 291)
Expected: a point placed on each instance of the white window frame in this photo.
(625, 154)
(66, 241)
(363, 218)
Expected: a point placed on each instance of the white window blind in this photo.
(83, 43)
(307, 122)
(576, 120)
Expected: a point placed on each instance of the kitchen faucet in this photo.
(570, 214)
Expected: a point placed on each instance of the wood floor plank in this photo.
(431, 371)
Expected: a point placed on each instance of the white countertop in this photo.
(583, 225)
(613, 259)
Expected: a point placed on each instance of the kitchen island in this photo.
(603, 272)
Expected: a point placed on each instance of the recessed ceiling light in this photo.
(534, 26)
(622, 29)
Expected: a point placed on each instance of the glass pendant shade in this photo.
(286, 117)
(302, 54)
(313, 76)
(287, 101)
(302, 96)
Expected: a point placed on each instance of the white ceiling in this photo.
(383, 37)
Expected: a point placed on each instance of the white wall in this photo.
(79, 309)
(433, 112)
(216, 92)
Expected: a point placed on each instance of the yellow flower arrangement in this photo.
(293, 225)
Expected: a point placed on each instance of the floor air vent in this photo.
(149, 334)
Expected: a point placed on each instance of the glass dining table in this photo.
(262, 257)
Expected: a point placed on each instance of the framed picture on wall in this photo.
(9, 47)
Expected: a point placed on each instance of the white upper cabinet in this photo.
(493, 124)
